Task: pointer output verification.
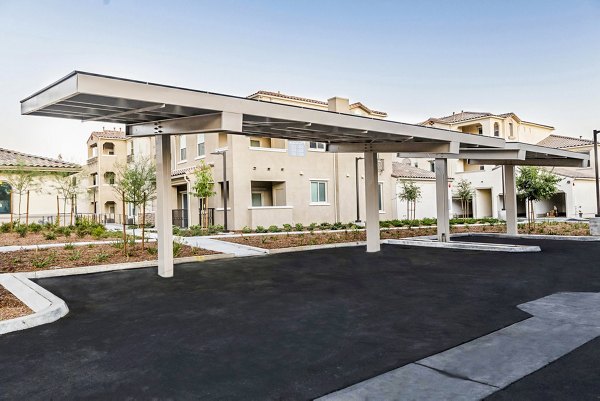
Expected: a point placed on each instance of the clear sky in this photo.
(413, 59)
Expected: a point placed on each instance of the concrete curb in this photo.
(467, 246)
(46, 306)
(531, 236)
(72, 271)
(314, 247)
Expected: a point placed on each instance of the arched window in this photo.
(5, 192)
(108, 148)
(496, 129)
(109, 178)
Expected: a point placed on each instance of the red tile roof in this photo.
(405, 170)
(561, 141)
(313, 101)
(10, 159)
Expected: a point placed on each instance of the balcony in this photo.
(92, 160)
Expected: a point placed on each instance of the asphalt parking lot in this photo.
(292, 326)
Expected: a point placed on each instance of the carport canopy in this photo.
(149, 109)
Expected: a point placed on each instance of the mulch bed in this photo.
(85, 255)
(10, 306)
(10, 239)
(308, 238)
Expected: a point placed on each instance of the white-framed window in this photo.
(256, 199)
(320, 146)
(496, 129)
(510, 129)
(182, 148)
(318, 191)
(380, 196)
(94, 151)
(480, 130)
(255, 143)
(200, 141)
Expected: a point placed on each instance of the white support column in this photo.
(510, 200)
(441, 200)
(164, 217)
(372, 202)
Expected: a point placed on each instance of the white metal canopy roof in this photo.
(150, 109)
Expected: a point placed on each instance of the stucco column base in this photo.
(595, 226)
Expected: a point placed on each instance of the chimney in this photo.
(339, 105)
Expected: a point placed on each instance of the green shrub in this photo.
(312, 227)
(42, 261)
(154, 250)
(385, 224)
(5, 227)
(215, 229)
(273, 229)
(428, 221)
(21, 229)
(325, 226)
(287, 227)
(67, 232)
(176, 230)
(35, 228)
(50, 235)
(260, 229)
(98, 232)
(101, 257)
(338, 226)
(69, 246)
(75, 255)
(177, 248)
(299, 227)
(246, 230)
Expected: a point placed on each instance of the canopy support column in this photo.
(164, 218)
(372, 202)
(510, 200)
(441, 199)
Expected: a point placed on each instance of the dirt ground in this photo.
(10, 306)
(86, 255)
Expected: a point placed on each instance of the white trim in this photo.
(182, 161)
(280, 150)
(220, 209)
(200, 157)
(316, 150)
(318, 179)
(319, 204)
(269, 207)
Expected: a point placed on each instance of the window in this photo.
(317, 146)
(380, 196)
(480, 130)
(318, 191)
(201, 146)
(481, 168)
(182, 148)
(109, 178)
(256, 199)
(94, 179)
(510, 129)
(94, 151)
(131, 148)
(108, 149)
(254, 143)
(496, 129)
(5, 195)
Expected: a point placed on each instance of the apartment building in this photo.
(275, 181)
(576, 190)
(106, 151)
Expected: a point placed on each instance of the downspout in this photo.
(189, 214)
(337, 187)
